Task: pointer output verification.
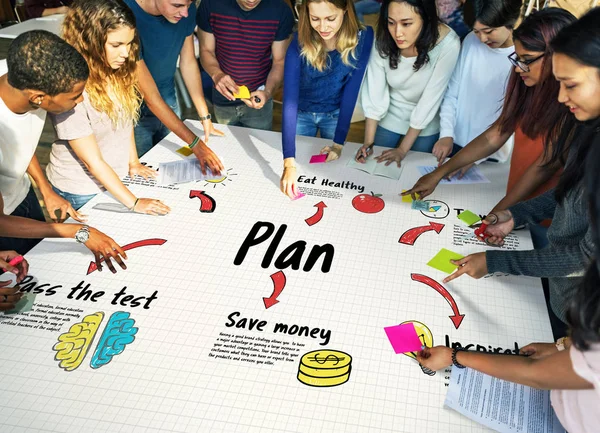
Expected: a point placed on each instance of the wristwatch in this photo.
(82, 235)
(203, 118)
(560, 343)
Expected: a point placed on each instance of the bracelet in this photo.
(290, 166)
(132, 208)
(196, 141)
(454, 361)
(560, 343)
(203, 118)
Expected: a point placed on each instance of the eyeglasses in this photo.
(523, 64)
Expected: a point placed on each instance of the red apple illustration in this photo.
(368, 203)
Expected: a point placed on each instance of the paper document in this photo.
(391, 171)
(186, 170)
(501, 405)
(474, 175)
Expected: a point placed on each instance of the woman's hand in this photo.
(151, 206)
(392, 155)
(442, 148)
(333, 152)
(363, 153)
(424, 186)
(474, 265)
(539, 350)
(435, 358)
(20, 270)
(138, 169)
(287, 184)
(500, 224)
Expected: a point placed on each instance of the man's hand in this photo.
(257, 99)
(19, 270)
(59, 208)
(424, 186)
(207, 158)
(105, 249)
(209, 129)
(225, 85)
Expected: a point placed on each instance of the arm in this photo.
(552, 372)
(159, 107)
(88, 152)
(223, 82)
(193, 82)
(54, 203)
(537, 174)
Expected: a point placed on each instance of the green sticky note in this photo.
(441, 261)
(469, 218)
(25, 304)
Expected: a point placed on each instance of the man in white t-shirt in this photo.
(42, 73)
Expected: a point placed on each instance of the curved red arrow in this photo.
(318, 215)
(457, 318)
(207, 203)
(410, 236)
(146, 242)
(278, 286)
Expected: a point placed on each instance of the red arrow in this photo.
(318, 215)
(410, 236)
(146, 242)
(278, 286)
(457, 318)
(207, 203)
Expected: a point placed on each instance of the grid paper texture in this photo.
(165, 380)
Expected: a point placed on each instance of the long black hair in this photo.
(581, 42)
(497, 13)
(386, 44)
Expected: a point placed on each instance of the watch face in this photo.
(82, 236)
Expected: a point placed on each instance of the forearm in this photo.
(370, 128)
(535, 210)
(35, 171)
(193, 83)
(552, 372)
(107, 177)
(210, 63)
(19, 227)
(409, 140)
(51, 11)
(274, 78)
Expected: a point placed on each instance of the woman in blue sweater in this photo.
(324, 67)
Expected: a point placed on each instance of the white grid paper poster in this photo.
(244, 311)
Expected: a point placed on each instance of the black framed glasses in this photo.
(523, 64)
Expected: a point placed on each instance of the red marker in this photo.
(15, 261)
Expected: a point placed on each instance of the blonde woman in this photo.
(324, 67)
(95, 146)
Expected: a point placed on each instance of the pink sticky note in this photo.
(300, 195)
(317, 159)
(404, 338)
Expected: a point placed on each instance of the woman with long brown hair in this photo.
(96, 146)
(324, 67)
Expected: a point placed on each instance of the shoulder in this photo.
(448, 40)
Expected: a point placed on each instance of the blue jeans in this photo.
(309, 123)
(76, 200)
(387, 138)
(366, 7)
(242, 115)
(28, 208)
(149, 130)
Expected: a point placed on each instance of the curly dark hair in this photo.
(385, 43)
(40, 60)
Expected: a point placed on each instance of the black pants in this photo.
(29, 208)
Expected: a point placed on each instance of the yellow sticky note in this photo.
(243, 93)
(408, 198)
(185, 151)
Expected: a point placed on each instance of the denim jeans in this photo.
(309, 123)
(149, 130)
(387, 138)
(366, 7)
(76, 200)
(28, 208)
(242, 115)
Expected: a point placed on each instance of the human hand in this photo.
(424, 186)
(105, 249)
(209, 129)
(435, 358)
(539, 350)
(392, 155)
(363, 153)
(460, 173)
(333, 152)
(138, 169)
(287, 184)
(499, 225)
(151, 206)
(442, 149)
(59, 208)
(207, 158)
(225, 85)
(474, 265)
(257, 99)
(20, 270)
(9, 296)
